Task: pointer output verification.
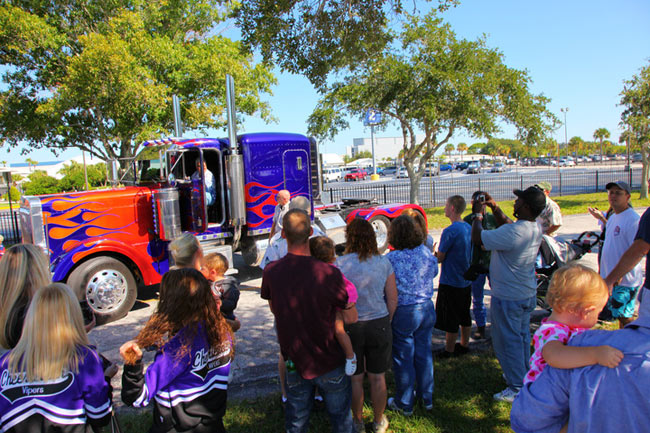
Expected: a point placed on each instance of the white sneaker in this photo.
(351, 365)
(507, 395)
(381, 426)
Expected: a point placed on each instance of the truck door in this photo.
(295, 172)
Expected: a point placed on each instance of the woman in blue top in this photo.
(415, 268)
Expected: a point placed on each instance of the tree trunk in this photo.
(414, 181)
(644, 174)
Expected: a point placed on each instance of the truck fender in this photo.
(66, 262)
(390, 211)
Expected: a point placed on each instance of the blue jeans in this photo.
(336, 391)
(511, 337)
(412, 356)
(478, 308)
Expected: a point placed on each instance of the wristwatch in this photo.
(478, 215)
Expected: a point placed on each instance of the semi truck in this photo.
(105, 244)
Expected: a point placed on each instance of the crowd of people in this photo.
(340, 320)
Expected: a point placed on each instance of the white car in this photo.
(333, 174)
(402, 173)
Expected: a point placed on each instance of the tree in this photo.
(575, 145)
(635, 99)
(100, 75)
(476, 148)
(41, 183)
(461, 147)
(600, 134)
(13, 194)
(448, 149)
(316, 38)
(73, 176)
(31, 163)
(437, 84)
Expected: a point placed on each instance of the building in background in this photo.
(385, 147)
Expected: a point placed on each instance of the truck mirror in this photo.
(171, 179)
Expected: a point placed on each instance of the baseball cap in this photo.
(534, 197)
(300, 202)
(546, 186)
(619, 183)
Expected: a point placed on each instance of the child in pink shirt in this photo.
(322, 248)
(576, 294)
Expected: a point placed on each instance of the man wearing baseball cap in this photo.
(551, 217)
(620, 229)
(514, 247)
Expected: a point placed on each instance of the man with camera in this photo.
(514, 247)
(479, 267)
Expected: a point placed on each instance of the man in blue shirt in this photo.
(454, 292)
(592, 399)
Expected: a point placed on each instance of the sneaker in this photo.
(507, 395)
(392, 405)
(479, 334)
(351, 365)
(381, 426)
(428, 407)
(359, 426)
(459, 349)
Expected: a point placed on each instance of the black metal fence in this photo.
(434, 190)
(9, 227)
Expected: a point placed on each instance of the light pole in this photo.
(566, 142)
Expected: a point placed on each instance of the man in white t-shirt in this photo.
(209, 185)
(550, 219)
(282, 198)
(621, 228)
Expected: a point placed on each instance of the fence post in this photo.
(479, 184)
(331, 196)
(385, 200)
(521, 182)
(629, 173)
(433, 192)
(560, 183)
(596, 181)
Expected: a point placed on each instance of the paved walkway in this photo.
(255, 365)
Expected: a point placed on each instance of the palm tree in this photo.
(449, 148)
(462, 147)
(600, 134)
(31, 163)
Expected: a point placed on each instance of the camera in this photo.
(474, 270)
(481, 198)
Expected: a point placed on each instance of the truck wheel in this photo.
(380, 225)
(108, 285)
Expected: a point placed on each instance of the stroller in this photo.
(555, 253)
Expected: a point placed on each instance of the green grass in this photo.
(570, 205)
(462, 403)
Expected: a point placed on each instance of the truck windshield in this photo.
(146, 167)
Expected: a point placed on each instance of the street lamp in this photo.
(566, 141)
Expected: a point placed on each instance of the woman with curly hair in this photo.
(415, 268)
(23, 270)
(371, 336)
(188, 378)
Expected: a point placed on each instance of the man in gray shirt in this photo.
(514, 247)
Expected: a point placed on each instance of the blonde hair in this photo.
(574, 288)
(53, 329)
(217, 262)
(24, 269)
(184, 250)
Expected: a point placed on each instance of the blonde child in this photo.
(225, 288)
(322, 248)
(576, 294)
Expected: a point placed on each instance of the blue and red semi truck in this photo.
(107, 243)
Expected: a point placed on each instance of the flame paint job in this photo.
(390, 211)
(114, 220)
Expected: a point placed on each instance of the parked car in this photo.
(474, 167)
(637, 157)
(334, 174)
(389, 171)
(445, 167)
(356, 174)
(462, 166)
(402, 173)
(498, 168)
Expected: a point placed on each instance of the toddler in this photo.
(224, 288)
(576, 294)
(322, 248)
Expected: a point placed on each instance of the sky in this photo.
(577, 53)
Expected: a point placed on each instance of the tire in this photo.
(380, 224)
(108, 285)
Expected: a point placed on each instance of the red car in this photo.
(357, 174)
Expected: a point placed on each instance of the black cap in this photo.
(534, 197)
(619, 183)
